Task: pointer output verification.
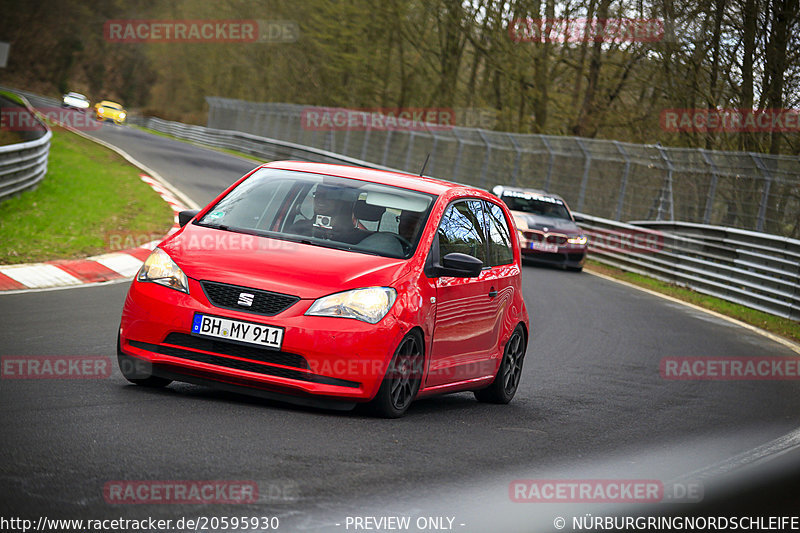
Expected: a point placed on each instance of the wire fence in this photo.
(615, 180)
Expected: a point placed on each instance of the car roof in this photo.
(396, 179)
(533, 191)
(109, 103)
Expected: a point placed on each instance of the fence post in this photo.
(457, 162)
(485, 166)
(550, 163)
(762, 206)
(624, 183)
(364, 144)
(386, 147)
(432, 161)
(712, 188)
(346, 144)
(517, 158)
(585, 179)
(666, 189)
(408, 151)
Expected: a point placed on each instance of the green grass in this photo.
(91, 201)
(780, 326)
(13, 97)
(223, 150)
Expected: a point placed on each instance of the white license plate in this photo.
(237, 330)
(544, 247)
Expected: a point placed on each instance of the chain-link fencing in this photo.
(615, 180)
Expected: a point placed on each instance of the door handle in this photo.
(492, 293)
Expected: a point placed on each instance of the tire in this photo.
(506, 382)
(139, 372)
(575, 269)
(402, 380)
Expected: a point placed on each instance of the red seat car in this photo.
(333, 285)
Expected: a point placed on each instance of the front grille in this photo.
(238, 364)
(550, 238)
(263, 302)
(237, 350)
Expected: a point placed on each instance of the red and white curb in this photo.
(96, 269)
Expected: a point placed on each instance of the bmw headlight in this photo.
(368, 305)
(578, 239)
(160, 268)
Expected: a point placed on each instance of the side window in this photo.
(461, 230)
(501, 251)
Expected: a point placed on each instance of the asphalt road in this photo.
(591, 401)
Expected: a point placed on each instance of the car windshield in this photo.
(326, 211)
(537, 205)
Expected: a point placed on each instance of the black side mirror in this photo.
(460, 266)
(185, 216)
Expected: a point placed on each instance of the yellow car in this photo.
(111, 111)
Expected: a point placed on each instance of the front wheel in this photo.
(506, 382)
(402, 380)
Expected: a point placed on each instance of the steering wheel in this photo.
(407, 246)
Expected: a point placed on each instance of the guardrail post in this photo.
(624, 183)
(585, 179)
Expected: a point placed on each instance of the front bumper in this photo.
(567, 255)
(321, 357)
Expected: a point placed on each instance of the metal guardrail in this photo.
(758, 270)
(23, 165)
(249, 144)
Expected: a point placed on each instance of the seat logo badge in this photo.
(245, 299)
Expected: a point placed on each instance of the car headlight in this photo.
(368, 305)
(578, 239)
(160, 268)
(122, 115)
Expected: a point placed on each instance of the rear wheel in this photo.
(402, 380)
(506, 382)
(139, 372)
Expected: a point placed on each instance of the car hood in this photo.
(303, 270)
(538, 222)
